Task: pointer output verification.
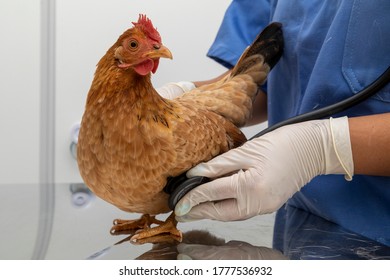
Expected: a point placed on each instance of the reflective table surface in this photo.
(66, 221)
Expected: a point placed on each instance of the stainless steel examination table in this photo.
(66, 221)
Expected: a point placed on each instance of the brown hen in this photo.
(132, 140)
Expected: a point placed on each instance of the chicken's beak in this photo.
(160, 51)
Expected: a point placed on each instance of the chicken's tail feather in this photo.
(232, 97)
(266, 49)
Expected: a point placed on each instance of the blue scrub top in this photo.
(333, 49)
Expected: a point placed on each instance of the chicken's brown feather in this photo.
(201, 135)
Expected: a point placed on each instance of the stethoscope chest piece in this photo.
(178, 186)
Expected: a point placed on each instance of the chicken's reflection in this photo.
(202, 245)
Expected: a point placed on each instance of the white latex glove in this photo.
(173, 90)
(270, 169)
(233, 250)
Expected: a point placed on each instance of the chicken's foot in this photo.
(144, 233)
(130, 226)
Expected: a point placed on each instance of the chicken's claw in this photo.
(131, 226)
(165, 233)
(143, 232)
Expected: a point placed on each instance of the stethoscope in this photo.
(178, 186)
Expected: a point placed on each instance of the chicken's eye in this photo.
(133, 44)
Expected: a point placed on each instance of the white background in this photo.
(19, 90)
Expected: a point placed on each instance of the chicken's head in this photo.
(140, 48)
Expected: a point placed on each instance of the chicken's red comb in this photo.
(145, 24)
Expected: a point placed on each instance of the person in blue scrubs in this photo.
(333, 49)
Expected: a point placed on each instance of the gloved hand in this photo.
(270, 169)
(173, 90)
(232, 250)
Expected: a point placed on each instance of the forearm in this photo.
(370, 140)
(213, 80)
(259, 111)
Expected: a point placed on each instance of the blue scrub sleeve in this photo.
(243, 20)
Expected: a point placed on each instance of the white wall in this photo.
(19, 90)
